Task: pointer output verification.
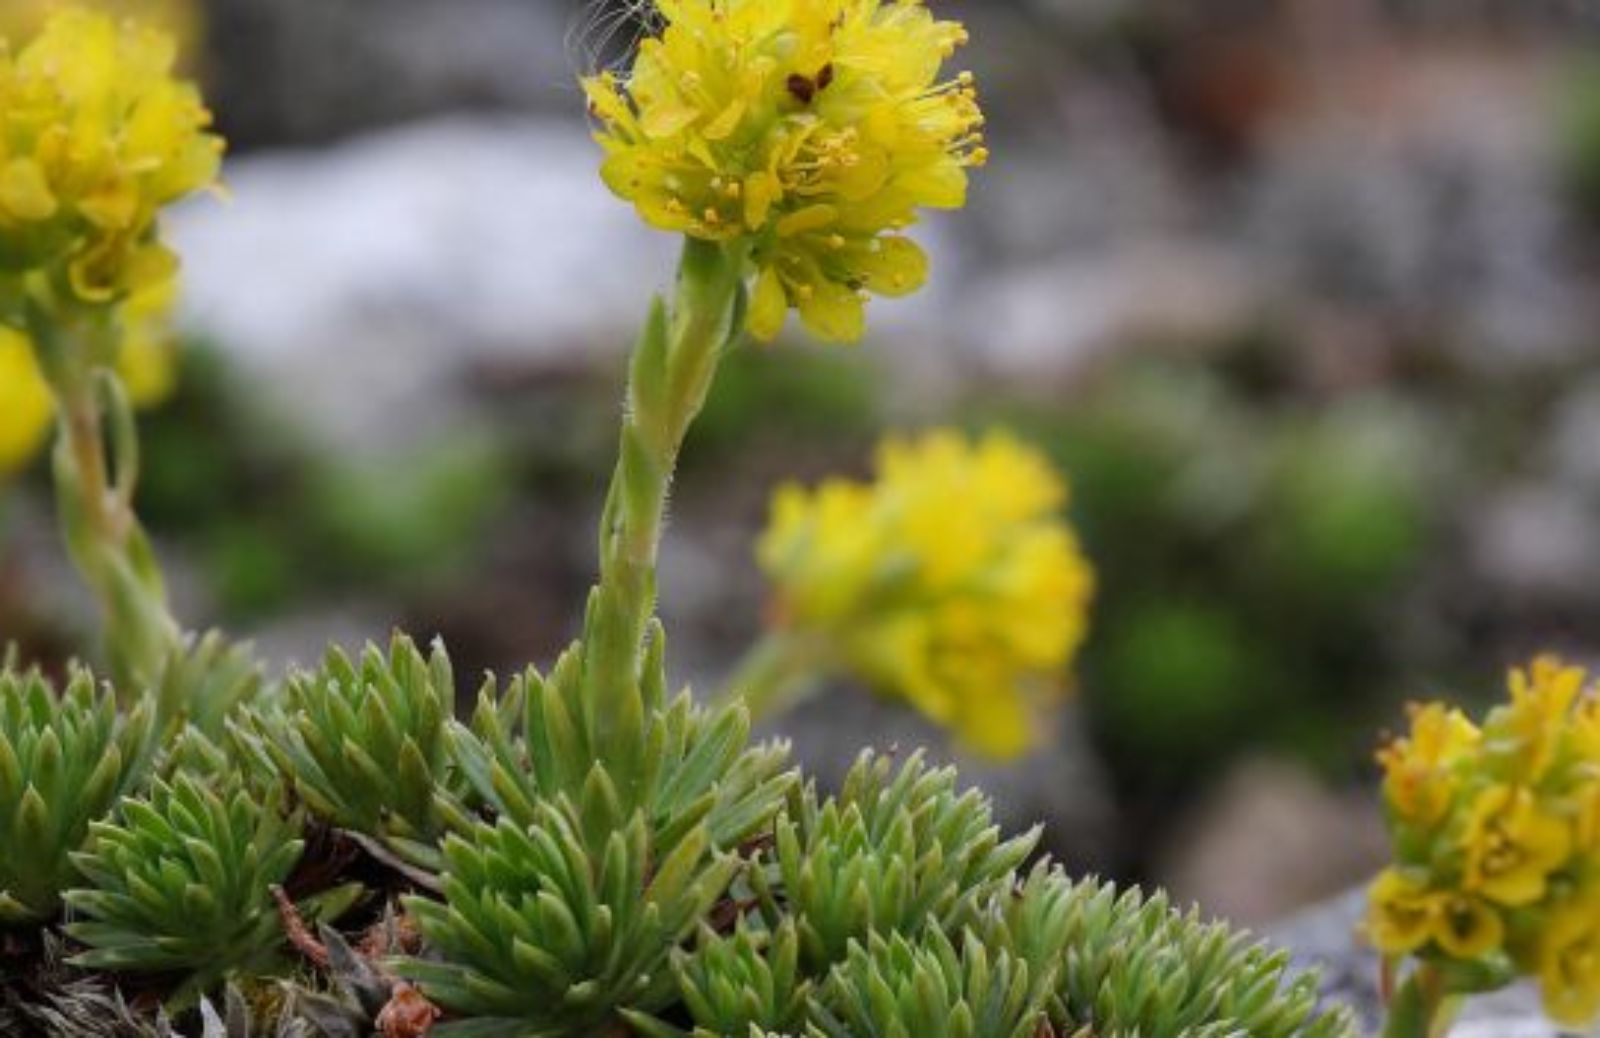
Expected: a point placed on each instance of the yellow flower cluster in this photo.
(1497, 838)
(814, 129)
(98, 137)
(950, 581)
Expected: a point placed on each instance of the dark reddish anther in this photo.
(805, 89)
(802, 88)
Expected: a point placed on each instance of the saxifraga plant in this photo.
(695, 766)
(181, 882)
(64, 760)
(363, 745)
(895, 988)
(538, 936)
(899, 850)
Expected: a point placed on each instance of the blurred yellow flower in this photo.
(25, 402)
(815, 129)
(950, 581)
(1496, 832)
(99, 136)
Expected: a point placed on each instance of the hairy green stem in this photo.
(670, 376)
(96, 474)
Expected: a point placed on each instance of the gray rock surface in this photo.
(1271, 836)
(359, 283)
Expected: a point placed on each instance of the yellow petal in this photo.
(1467, 928)
(895, 267)
(723, 125)
(25, 402)
(113, 205)
(769, 306)
(761, 190)
(811, 218)
(1400, 915)
(942, 185)
(834, 312)
(667, 118)
(24, 192)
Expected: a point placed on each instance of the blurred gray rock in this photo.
(1057, 319)
(291, 71)
(1271, 839)
(357, 284)
(1575, 438)
(1325, 939)
(1060, 786)
(1538, 538)
(1443, 215)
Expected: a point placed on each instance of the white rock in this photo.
(1539, 539)
(358, 281)
(1061, 316)
(1575, 437)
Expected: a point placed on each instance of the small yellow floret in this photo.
(950, 581)
(1404, 917)
(1419, 771)
(816, 129)
(1512, 845)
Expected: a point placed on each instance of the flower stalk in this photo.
(1423, 1007)
(669, 377)
(96, 470)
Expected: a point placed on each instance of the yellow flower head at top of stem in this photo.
(950, 581)
(814, 129)
(1496, 834)
(98, 136)
(147, 361)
